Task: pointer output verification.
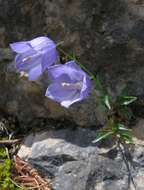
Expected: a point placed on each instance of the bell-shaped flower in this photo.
(34, 56)
(70, 84)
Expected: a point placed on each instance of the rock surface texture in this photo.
(72, 162)
(106, 35)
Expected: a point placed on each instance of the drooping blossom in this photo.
(34, 56)
(70, 84)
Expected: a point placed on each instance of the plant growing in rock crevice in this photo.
(72, 82)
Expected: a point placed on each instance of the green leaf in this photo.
(107, 102)
(103, 136)
(128, 140)
(127, 137)
(124, 129)
(121, 127)
(126, 100)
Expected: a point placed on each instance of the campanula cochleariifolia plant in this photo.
(72, 82)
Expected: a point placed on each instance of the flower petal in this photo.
(42, 42)
(68, 103)
(72, 64)
(20, 47)
(58, 70)
(64, 96)
(28, 60)
(87, 87)
(49, 58)
(35, 72)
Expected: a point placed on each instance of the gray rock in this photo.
(69, 158)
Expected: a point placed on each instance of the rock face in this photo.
(106, 35)
(72, 162)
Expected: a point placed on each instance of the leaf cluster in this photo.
(117, 116)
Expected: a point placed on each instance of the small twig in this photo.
(9, 142)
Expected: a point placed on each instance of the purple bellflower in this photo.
(34, 56)
(70, 84)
